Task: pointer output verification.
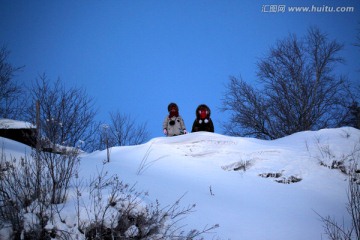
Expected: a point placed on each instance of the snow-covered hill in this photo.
(254, 189)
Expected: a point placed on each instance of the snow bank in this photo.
(243, 184)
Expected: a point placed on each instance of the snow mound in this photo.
(254, 189)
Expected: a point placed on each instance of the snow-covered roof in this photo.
(14, 124)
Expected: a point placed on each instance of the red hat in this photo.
(203, 111)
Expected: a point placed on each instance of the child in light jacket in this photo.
(173, 124)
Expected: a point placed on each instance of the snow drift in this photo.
(254, 189)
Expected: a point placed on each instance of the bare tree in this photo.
(125, 131)
(298, 90)
(11, 102)
(353, 118)
(66, 115)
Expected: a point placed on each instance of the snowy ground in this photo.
(208, 169)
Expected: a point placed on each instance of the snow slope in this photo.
(208, 169)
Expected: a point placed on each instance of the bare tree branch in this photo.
(66, 115)
(11, 102)
(298, 90)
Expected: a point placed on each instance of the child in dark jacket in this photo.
(203, 121)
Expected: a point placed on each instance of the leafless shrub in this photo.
(327, 157)
(114, 210)
(241, 165)
(350, 164)
(18, 197)
(289, 180)
(117, 211)
(353, 206)
(270, 175)
(58, 172)
(336, 231)
(279, 178)
(28, 204)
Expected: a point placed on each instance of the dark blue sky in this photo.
(137, 56)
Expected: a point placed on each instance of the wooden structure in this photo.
(19, 131)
